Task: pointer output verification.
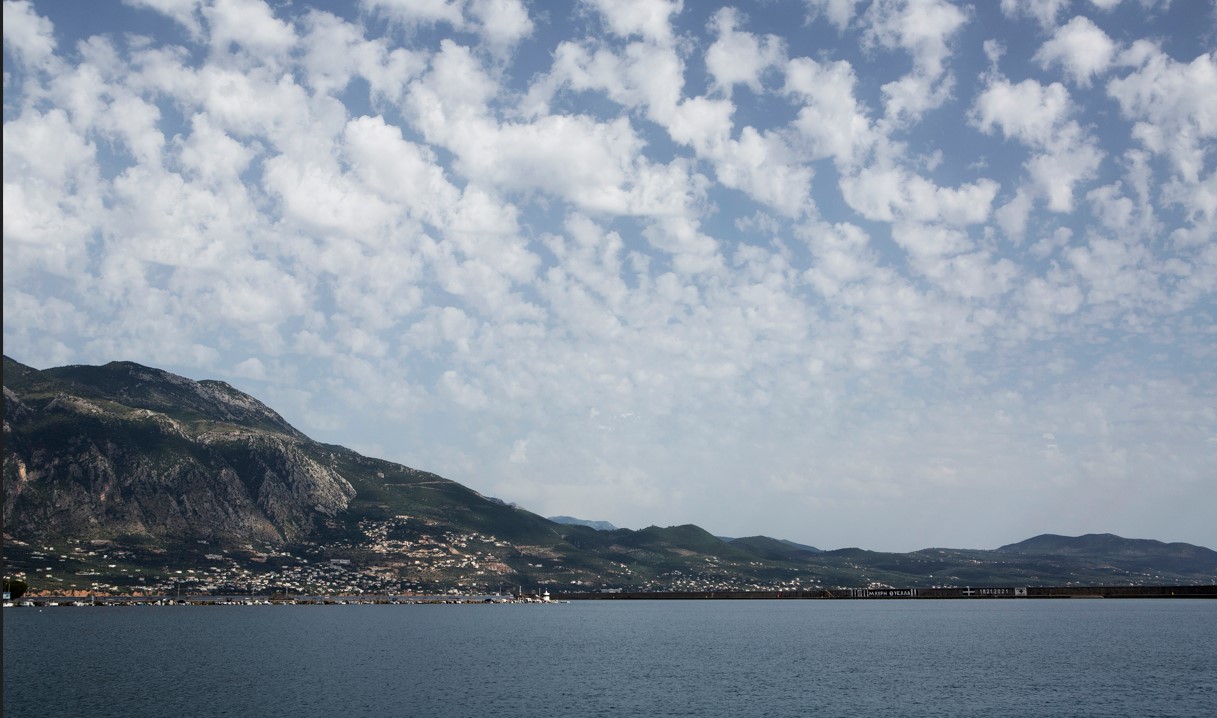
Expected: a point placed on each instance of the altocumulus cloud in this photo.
(894, 274)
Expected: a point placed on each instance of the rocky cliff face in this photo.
(101, 452)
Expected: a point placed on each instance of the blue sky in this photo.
(889, 274)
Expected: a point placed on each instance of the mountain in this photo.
(130, 474)
(1132, 555)
(125, 450)
(775, 549)
(1104, 544)
(572, 521)
(123, 478)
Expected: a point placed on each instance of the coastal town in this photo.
(400, 556)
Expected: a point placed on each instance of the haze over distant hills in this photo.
(572, 521)
(124, 476)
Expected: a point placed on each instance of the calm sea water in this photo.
(617, 658)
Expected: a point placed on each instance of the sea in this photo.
(766, 658)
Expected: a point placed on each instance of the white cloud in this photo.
(740, 58)
(642, 76)
(1048, 245)
(1028, 111)
(649, 78)
(249, 24)
(400, 172)
(420, 11)
(1114, 271)
(838, 12)
(1071, 159)
(1173, 104)
(1065, 155)
(950, 259)
(1081, 48)
(461, 392)
(702, 123)
(1012, 216)
(502, 22)
(184, 12)
(336, 52)
(30, 36)
(650, 19)
(211, 155)
(692, 251)
(52, 195)
(832, 119)
(888, 194)
(1045, 300)
(459, 81)
(324, 200)
(275, 110)
(923, 28)
(251, 368)
(1044, 11)
(758, 164)
(1199, 202)
(842, 255)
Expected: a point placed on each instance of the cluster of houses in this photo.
(384, 563)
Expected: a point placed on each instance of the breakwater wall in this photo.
(963, 593)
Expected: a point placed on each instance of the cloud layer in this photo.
(893, 274)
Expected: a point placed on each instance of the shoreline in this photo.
(906, 594)
(913, 594)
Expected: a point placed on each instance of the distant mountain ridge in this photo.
(572, 521)
(1132, 554)
(775, 549)
(1102, 544)
(174, 473)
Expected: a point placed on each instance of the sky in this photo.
(894, 274)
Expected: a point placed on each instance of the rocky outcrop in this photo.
(120, 450)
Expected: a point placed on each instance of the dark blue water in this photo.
(617, 658)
